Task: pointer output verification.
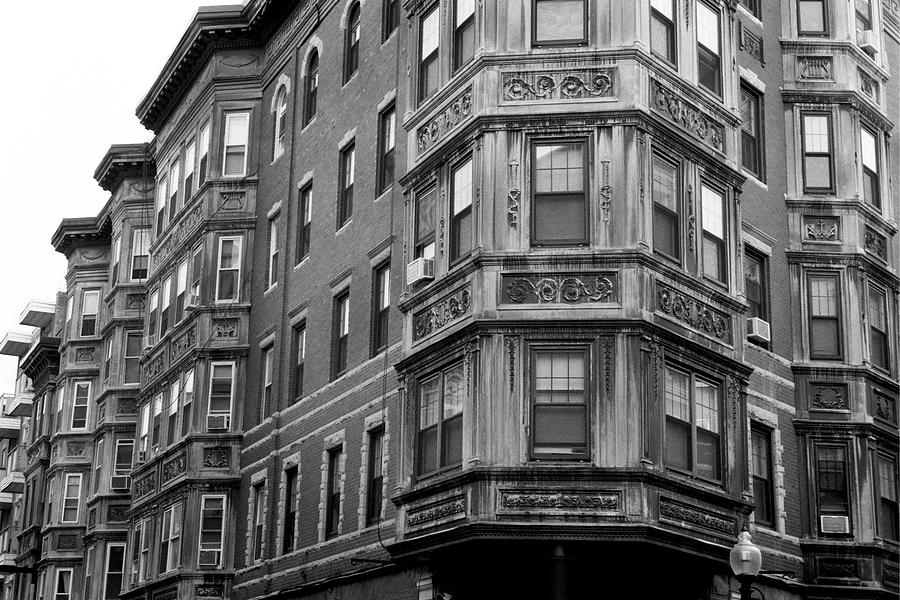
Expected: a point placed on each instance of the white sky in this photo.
(74, 74)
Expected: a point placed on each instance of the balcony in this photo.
(38, 314)
(20, 405)
(13, 483)
(6, 501)
(15, 344)
(10, 428)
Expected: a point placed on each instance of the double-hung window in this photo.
(180, 289)
(144, 438)
(692, 425)
(387, 123)
(90, 305)
(312, 88)
(140, 253)
(190, 158)
(107, 357)
(560, 214)
(115, 568)
(272, 266)
(863, 15)
(824, 308)
(753, 7)
(268, 360)
(376, 476)
(871, 186)
(259, 520)
(559, 387)
(559, 22)
(71, 498)
(662, 29)
(461, 211)
(153, 315)
(228, 274)
(304, 215)
(751, 132)
(124, 456)
(161, 206)
(756, 284)
(212, 531)
(63, 588)
(879, 348)
(812, 17)
(761, 462)
(341, 334)
(424, 236)
(463, 32)
(99, 463)
(80, 404)
(157, 419)
(221, 391)
(203, 166)
(290, 509)
(280, 134)
(351, 45)
(333, 491)
(381, 304)
(440, 420)
(709, 61)
(390, 18)
(299, 347)
(172, 412)
(666, 202)
(165, 298)
(832, 491)
(888, 524)
(187, 403)
(174, 178)
(132, 372)
(89, 572)
(348, 176)
(170, 539)
(196, 275)
(429, 43)
(116, 255)
(715, 255)
(818, 162)
(237, 130)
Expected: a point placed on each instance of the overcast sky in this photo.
(74, 74)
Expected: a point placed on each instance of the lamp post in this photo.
(746, 560)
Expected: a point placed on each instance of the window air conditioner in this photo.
(192, 303)
(421, 269)
(835, 524)
(209, 558)
(141, 457)
(758, 330)
(120, 482)
(868, 41)
(150, 341)
(218, 422)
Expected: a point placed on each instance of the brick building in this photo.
(409, 300)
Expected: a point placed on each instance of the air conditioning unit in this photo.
(218, 422)
(758, 330)
(150, 341)
(120, 482)
(209, 558)
(868, 41)
(421, 269)
(141, 457)
(835, 524)
(192, 302)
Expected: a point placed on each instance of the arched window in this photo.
(312, 87)
(280, 115)
(351, 51)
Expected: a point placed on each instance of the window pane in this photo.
(462, 187)
(869, 152)
(464, 9)
(559, 20)
(823, 296)
(430, 33)
(678, 402)
(815, 133)
(559, 218)
(429, 402)
(818, 171)
(812, 15)
(664, 7)
(713, 212)
(559, 168)
(708, 462)
(707, 399)
(664, 184)
(824, 337)
(454, 391)
(708, 28)
(678, 444)
(559, 428)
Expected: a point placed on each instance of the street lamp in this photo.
(746, 560)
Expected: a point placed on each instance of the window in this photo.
(387, 122)
(140, 253)
(463, 32)
(107, 360)
(174, 178)
(889, 527)
(228, 275)
(305, 228)
(299, 359)
(429, 42)
(42, 584)
(345, 201)
(190, 157)
(425, 224)
(71, 498)
(153, 315)
(662, 29)
(172, 412)
(381, 304)
(439, 440)
(180, 289)
(89, 573)
(376, 476)
(817, 161)
(280, 136)
(871, 186)
(761, 462)
(170, 539)
(70, 303)
(461, 217)
(187, 403)
(751, 132)
(196, 275)
(204, 155)
(560, 214)
(341, 334)
(693, 442)
(879, 349)
(63, 584)
(312, 88)
(99, 462)
(157, 418)
(863, 15)
(753, 7)
(80, 405)
(351, 44)
(90, 304)
(221, 389)
(832, 494)
(237, 130)
(333, 489)
(715, 258)
(132, 357)
(146, 541)
(116, 252)
(756, 284)
(559, 22)
(165, 297)
(709, 67)
(259, 520)
(390, 18)
(272, 266)
(812, 17)
(212, 531)
(139, 540)
(290, 509)
(145, 430)
(559, 403)
(124, 454)
(824, 316)
(115, 566)
(161, 206)
(268, 360)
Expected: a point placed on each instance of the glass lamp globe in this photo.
(746, 559)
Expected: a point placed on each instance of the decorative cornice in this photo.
(121, 160)
(669, 103)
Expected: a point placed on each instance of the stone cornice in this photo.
(80, 231)
(122, 160)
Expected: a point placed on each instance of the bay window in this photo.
(664, 189)
(560, 213)
(715, 255)
(237, 131)
(692, 424)
(212, 531)
(429, 42)
(228, 273)
(440, 420)
(559, 22)
(879, 345)
(461, 193)
(170, 539)
(832, 491)
(870, 178)
(818, 162)
(559, 384)
(824, 310)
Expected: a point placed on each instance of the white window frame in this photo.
(66, 498)
(117, 251)
(278, 144)
(173, 541)
(165, 303)
(56, 594)
(96, 315)
(229, 119)
(212, 370)
(240, 246)
(190, 157)
(203, 153)
(144, 550)
(106, 571)
(144, 439)
(116, 470)
(180, 290)
(89, 571)
(221, 547)
(272, 260)
(87, 405)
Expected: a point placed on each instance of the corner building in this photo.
(409, 300)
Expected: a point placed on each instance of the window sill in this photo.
(350, 80)
(755, 180)
(343, 227)
(386, 193)
(301, 263)
(275, 159)
(270, 288)
(749, 15)
(390, 36)
(308, 124)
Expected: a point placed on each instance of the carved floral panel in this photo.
(575, 288)
(558, 85)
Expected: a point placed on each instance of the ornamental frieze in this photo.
(752, 44)
(876, 244)
(454, 508)
(885, 408)
(822, 229)
(456, 112)
(689, 515)
(117, 513)
(680, 111)
(558, 85)
(225, 328)
(144, 486)
(179, 233)
(559, 289)
(445, 311)
(829, 397)
(66, 542)
(174, 468)
(559, 500)
(692, 312)
(209, 591)
(814, 67)
(84, 354)
(217, 457)
(184, 342)
(154, 367)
